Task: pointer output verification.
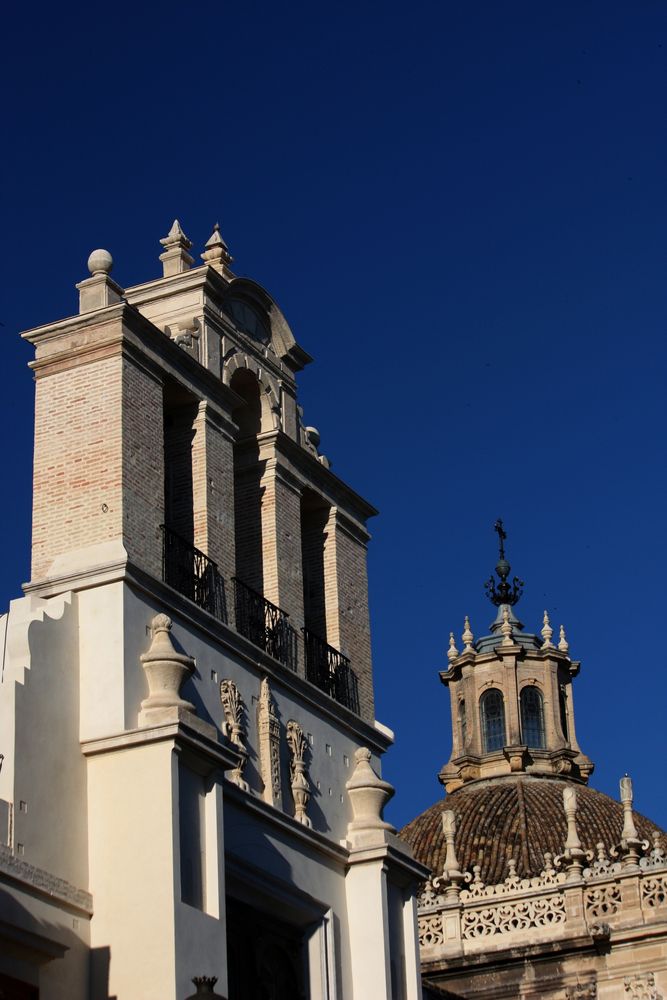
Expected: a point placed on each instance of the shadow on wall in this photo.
(40, 955)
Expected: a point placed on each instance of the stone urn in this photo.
(368, 795)
(166, 669)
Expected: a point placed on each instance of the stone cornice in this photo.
(122, 330)
(41, 883)
(318, 842)
(179, 607)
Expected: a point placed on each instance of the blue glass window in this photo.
(492, 712)
(532, 717)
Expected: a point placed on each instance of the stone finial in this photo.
(563, 644)
(467, 637)
(205, 986)
(175, 258)
(506, 628)
(99, 290)
(452, 652)
(298, 747)
(547, 632)
(368, 796)
(100, 262)
(452, 876)
(631, 844)
(166, 670)
(573, 854)
(217, 255)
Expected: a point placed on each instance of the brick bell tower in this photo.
(511, 696)
(188, 533)
(169, 446)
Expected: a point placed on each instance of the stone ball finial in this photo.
(100, 262)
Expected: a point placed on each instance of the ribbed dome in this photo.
(515, 817)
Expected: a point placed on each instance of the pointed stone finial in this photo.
(467, 637)
(563, 644)
(547, 633)
(452, 652)
(216, 253)
(506, 628)
(175, 258)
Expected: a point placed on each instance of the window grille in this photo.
(492, 712)
(463, 719)
(532, 717)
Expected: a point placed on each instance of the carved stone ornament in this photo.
(268, 728)
(298, 748)
(205, 988)
(582, 991)
(234, 727)
(368, 795)
(641, 987)
(166, 670)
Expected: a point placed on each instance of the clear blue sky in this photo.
(461, 209)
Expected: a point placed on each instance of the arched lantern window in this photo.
(532, 717)
(562, 705)
(463, 719)
(492, 714)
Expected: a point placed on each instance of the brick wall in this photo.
(346, 593)
(77, 478)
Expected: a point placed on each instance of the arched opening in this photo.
(492, 716)
(562, 705)
(314, 518)
(532, 717)
(463, 722)
(247, 481)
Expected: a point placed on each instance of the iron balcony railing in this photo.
(265, 624)
(192, 573)
(330, 671)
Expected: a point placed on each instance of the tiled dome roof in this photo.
(515, 817)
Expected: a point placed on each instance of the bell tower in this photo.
(511, 695)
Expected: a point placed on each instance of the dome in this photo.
(516, 817)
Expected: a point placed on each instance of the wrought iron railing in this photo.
(192, 573)
(265, 624)
(330, 671)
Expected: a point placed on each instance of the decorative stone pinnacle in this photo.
(176, 237)
(452, 652)
(503, 592)
(547, 632)
(205, 988)
(100, 262)
(629, 828)
(166, 670)
(368, 796)
(573, 854)
(467, 637)
(216, 253)
(563, 644)
(506, 628)
(175, 258)
(452, 876)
